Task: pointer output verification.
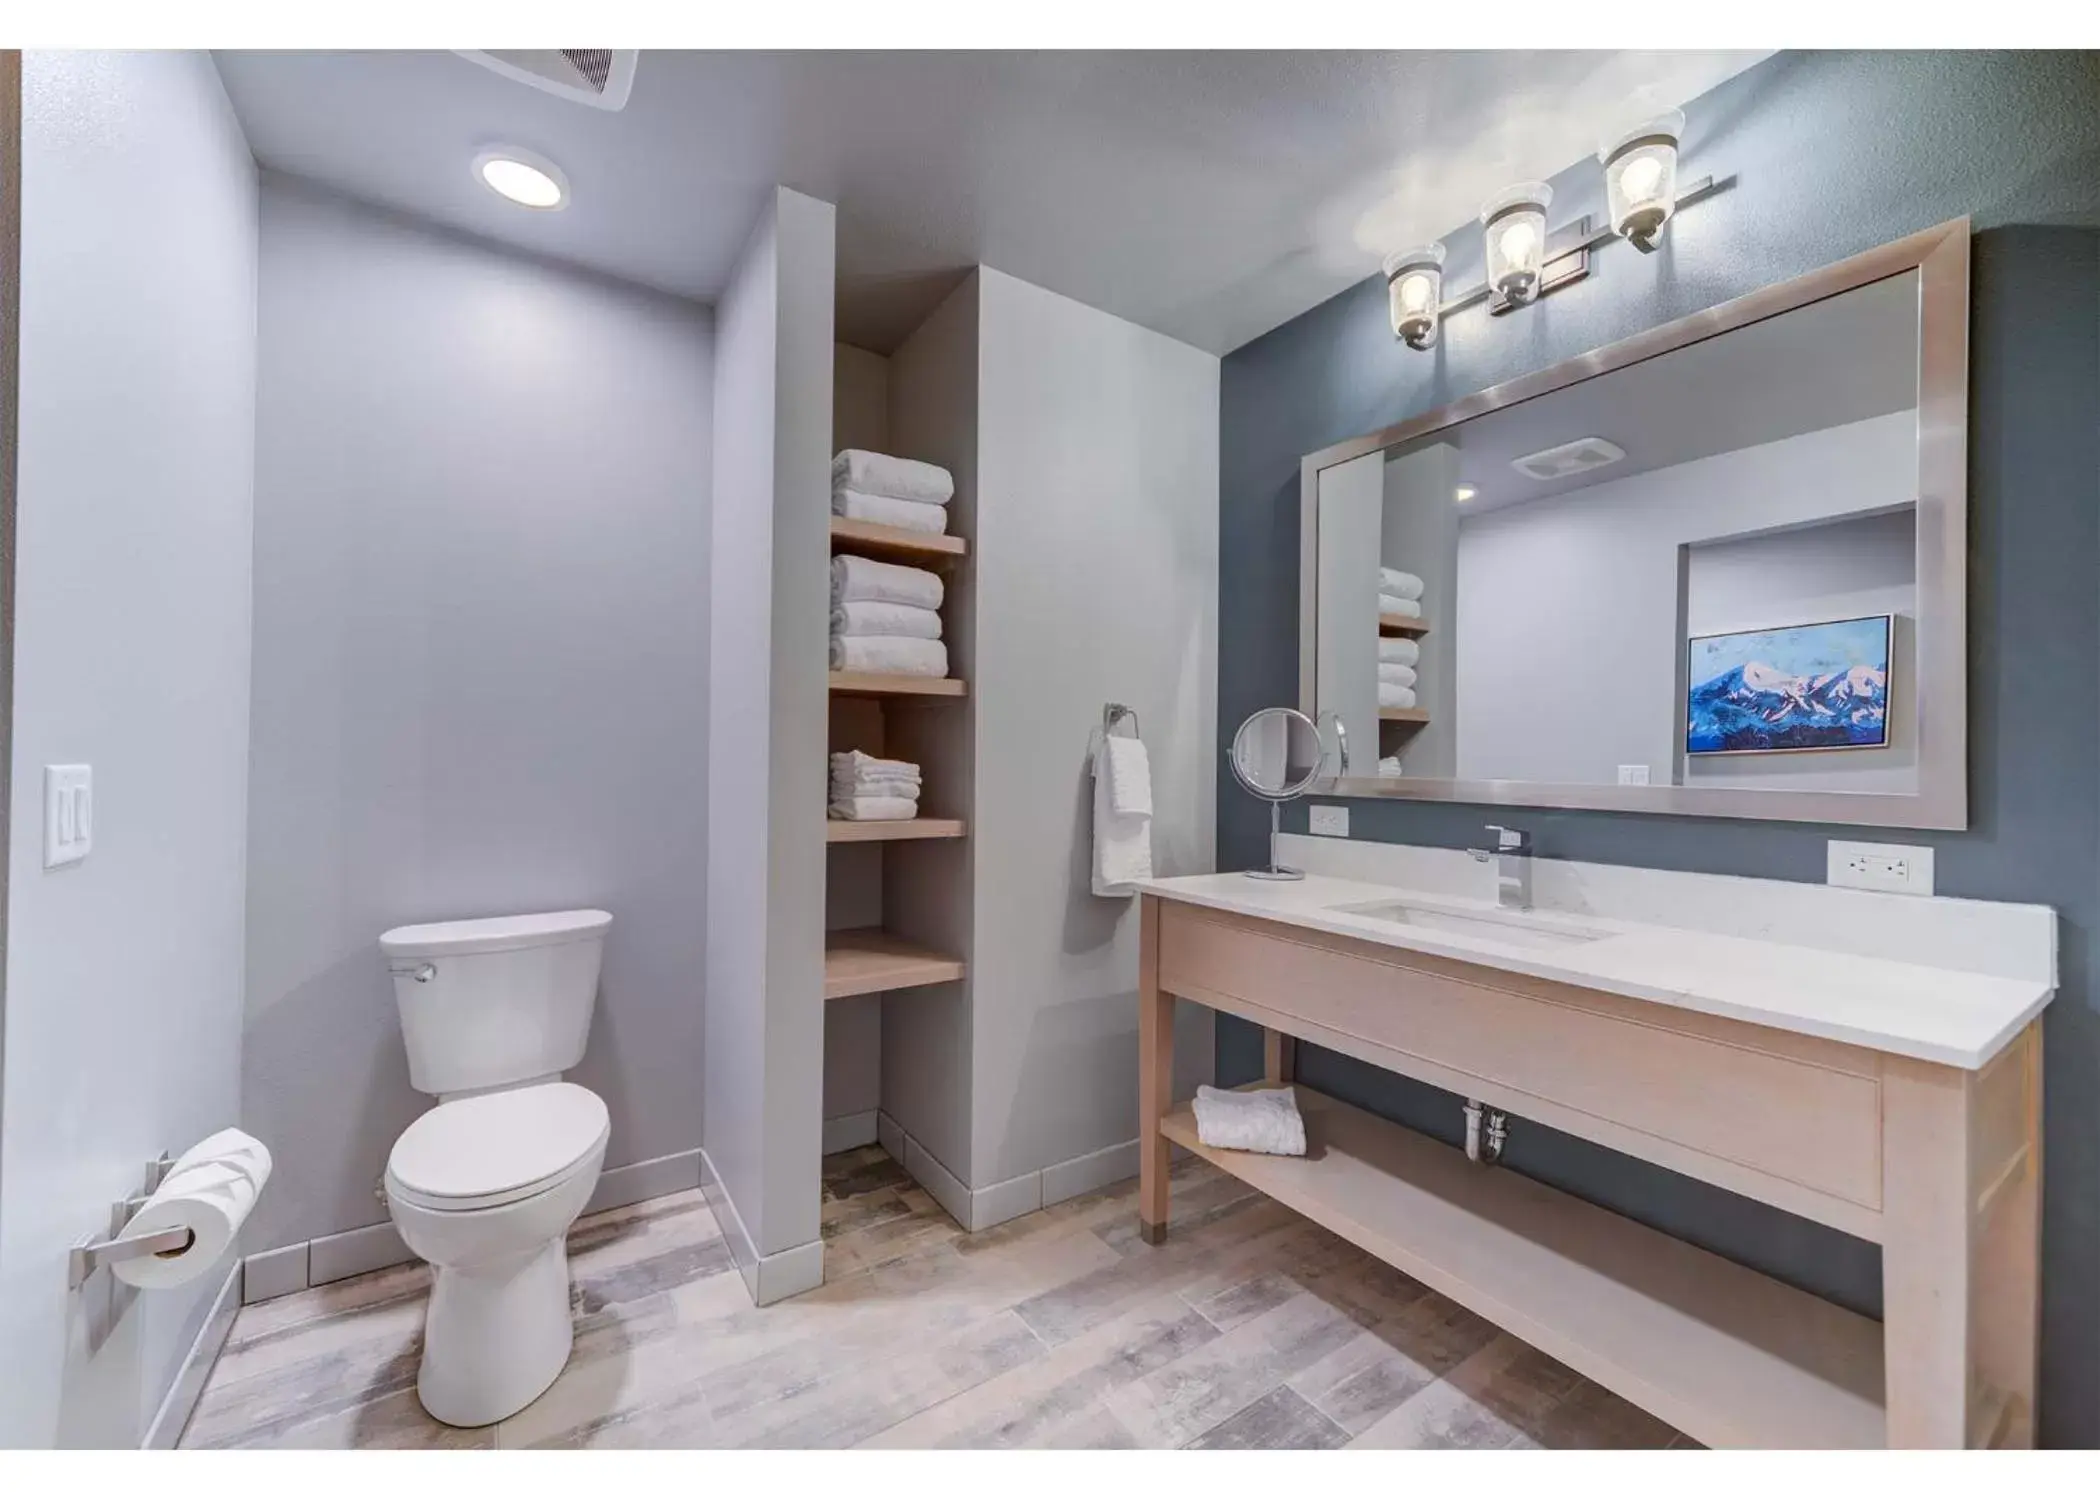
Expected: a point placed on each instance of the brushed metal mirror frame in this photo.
(1940, 256)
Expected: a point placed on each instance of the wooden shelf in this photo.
(894, 544)
(1402, 624)
(1732, 1357)
(868, 960)
(1403, 715)
(883, 684)
(843, 830)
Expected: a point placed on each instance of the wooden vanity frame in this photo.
(1939, 1165)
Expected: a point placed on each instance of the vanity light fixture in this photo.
(1514, 223)
(1415, 288)
(1640, 178)
(1464, 492)
(524, 177)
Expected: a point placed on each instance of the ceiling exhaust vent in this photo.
(597, 76)
(1576, 457)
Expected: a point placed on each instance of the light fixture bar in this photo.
(1570, 241)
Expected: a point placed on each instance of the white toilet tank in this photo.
(485, 1004)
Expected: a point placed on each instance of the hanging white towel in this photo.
(1393, 674)
(863, 580)
(909, 620)
(1390, 696)
(1405, 608)
(1398, 650)
(895, 654)
(1122, 841)
(899, 478)
(874, 808)
(1265, 1120)
(905, 515)
(1399, 584)
(1129, 776)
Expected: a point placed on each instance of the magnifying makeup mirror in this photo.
(1277, 754)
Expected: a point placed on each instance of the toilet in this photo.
(485, 1185)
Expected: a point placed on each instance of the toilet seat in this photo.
(498, 1148)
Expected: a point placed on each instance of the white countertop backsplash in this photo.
(1933, 977)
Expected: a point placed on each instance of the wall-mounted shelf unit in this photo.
(867, 960)
(840, 830)
(884, 684)
(894, 544)
(1402, 624)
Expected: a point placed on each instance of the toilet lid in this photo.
(497, 1144)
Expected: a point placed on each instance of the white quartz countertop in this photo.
(1935, 1014)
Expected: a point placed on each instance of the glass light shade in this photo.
(1640, 177)
(1514, 223)
(1414, 283)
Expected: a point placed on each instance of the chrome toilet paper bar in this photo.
(84, 1259)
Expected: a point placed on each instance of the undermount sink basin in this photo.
(1516, 929)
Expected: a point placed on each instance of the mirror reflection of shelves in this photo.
(894, 544)
(1402, 624)
(1415, 716)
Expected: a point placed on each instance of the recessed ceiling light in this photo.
(1463, 493)
(525, 178)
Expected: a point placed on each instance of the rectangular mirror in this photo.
(1716, 570)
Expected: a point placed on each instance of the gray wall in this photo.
(131, 641)
(1896, 143)
(481, 576)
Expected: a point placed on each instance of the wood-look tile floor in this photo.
(1249, 1327)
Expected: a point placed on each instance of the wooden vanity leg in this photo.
(1961, 1250)
(1155, 1076)
(1279, 1056)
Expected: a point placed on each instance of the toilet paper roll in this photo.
(210, 1191)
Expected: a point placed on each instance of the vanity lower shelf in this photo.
(1732, 1357)
(843, 830)
(868, 960)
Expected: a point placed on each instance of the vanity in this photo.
(1898, 1101)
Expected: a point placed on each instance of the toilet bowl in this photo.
(485, 1189)
(485, 1185)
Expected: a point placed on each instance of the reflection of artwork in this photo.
(1800, 687)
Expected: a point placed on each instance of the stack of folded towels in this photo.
(867, 789)
(900, 492)
(1399, 593)
(885, 618)
(1396, 672)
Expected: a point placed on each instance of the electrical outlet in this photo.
(1330, 821)
(1633, 775)
(1900, 867)
(69, 814)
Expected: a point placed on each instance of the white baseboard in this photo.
(1090, 1173)
(767, 1277)
(979, 1208)
(180, 1402)
(849, 1132)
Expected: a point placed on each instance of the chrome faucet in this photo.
(1512, 856)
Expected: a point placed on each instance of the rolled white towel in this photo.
(863, 580)
(899, 478)
(1390, 696)
(874, 808)
(893, 654)
(905, 515)
(1399, 649)
(908, 620)
(1266, 1120)
(1399, 584)
(1389, 765)
(1407, 608)
(1392, 673)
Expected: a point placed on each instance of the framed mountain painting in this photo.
(1821, 686)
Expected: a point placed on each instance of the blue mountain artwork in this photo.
(1753, 704)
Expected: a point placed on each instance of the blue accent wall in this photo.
(1833, 153)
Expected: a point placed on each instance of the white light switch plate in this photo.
(69, 814)
(1633, 775)
(1900, 867)
(1330, 821)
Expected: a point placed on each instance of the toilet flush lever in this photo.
(422, 973)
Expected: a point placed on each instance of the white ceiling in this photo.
(1210, 195)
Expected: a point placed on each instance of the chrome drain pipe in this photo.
(1487, 1131)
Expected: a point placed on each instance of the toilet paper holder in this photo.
(92, 1253)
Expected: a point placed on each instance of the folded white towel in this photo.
(1390, 696)
(1392, 673)
(859, 763)
(1122, 842)
(1266, 1120)
(863, 580)
(899, 478)
(905, 515)
(1389, 765)
(859, 618)
(1392, 604)
(1129, 776)
(895, 654)
(1399, 584)
(909, 790)
(874, 808)
(1399, 649)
